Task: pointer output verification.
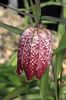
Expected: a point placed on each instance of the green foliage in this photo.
(11, 28)
(50, 87)
(44, 87)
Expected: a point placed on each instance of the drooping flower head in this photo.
(34, 51)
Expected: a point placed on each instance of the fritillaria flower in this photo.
(34, 51)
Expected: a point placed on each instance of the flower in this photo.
(34, 51)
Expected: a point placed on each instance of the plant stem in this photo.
(55, 79)
(38, 10)
(27, 18)
(60, 94)
(44, 85)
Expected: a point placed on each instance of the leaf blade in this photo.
(17, 91)
(44, 85)
(11, 28)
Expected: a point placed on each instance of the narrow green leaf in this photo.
(58, 64)
(61, 29)
(56, 19)
(16, 92)
(48, 22)
(11, 28)
(44, 85)
(62, 44)
(60, 51)
(49, 3)
(60, 48)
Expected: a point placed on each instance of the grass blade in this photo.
(16, 92)
(11, 28)
(62, 20)
(62, 44)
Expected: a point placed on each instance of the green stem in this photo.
(55, 79)
(38, 10)
(44, 85)
(56, 88)
(56, 91)
(60, 94)
(27, 18)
